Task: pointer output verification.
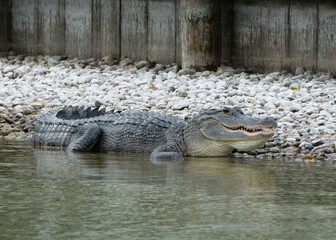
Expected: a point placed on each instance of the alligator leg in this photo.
(165, 153)
(85, 139)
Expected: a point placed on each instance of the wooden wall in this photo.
(5, 24)
(284, 34)
(264, 35)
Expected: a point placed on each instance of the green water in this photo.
(54, 195)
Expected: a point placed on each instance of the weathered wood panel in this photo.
(263, 34)
(4, 24)
(303, 34)
(274, 35)
(178, 39)
(200, 30)
(134, 29)
(161, 31)
(78, 33)
(327, 36)
(106, 28)
(247, 34)
(24, 26)
(51, 27)
(226, 31)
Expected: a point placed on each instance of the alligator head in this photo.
(230, 128)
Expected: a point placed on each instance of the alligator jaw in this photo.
(254, 133)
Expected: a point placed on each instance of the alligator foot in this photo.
(85, 139)
(163, 153)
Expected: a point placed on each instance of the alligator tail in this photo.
(55, 129)
(53, 136)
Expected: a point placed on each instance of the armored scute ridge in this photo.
(216, 132)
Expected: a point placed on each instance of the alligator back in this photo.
(126, 132)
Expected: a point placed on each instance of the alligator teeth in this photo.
(250, 130)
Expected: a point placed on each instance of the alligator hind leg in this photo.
(85, 139)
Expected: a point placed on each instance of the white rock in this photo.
(9, 68)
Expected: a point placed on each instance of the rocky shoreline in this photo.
(304, 103)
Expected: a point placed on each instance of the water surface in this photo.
(55, 195)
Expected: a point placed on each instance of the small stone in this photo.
(141, 64)
(232, 101)
(8, 69)
(308, 156)
(158, 67)
(180, 105)
(125, 62)
(186, 71)
(318, 142)
(108, 58)
(288, 83)
(299, 70)
(328, 150)
(306, 145)
(52, 62)
(30, 59)
(275, 150)
(295, 108)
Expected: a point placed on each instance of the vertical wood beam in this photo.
(201, 35)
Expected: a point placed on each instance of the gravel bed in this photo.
(303, 104)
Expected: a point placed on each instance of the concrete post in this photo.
(201, 33)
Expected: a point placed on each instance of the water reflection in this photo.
(215, 175)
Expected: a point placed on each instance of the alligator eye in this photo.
(227, 111)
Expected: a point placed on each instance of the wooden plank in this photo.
(303, 34)
(200, 32)
(134, 29)
(4, 25)
(78, 16)
(51, 27)
(247, 34)
(106, 28)
(24, 26)
(327, 36)
(178, 39)
(274, 35)
(226, 31)
(161, 31)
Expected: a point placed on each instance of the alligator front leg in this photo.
(165, 153)
(85, 139)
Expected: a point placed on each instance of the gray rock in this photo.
(125, 62)
(173, 69)
(288, 83)
(299, 70)
(328, 150)
(306, 145)
(275, 150)
(158, 67)
(108, 58)
(186, 71)
(141, 64)
(318, 142)
(30, 59)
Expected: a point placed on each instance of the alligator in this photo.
(215, 132)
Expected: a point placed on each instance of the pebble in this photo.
(141, 64)
(303, 104)
(186, 71)
(299, 70)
